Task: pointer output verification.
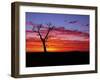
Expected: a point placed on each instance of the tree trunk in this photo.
(44, 45)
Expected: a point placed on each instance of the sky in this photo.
(69, 21)
(71, 32)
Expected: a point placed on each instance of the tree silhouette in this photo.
(37, 29)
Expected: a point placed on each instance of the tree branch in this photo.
(50, 28)
(39, 31)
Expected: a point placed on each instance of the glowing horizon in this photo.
(58, 44)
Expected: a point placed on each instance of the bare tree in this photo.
(38, 30)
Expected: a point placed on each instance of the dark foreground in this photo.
(54, 59)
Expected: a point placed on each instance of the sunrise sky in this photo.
(71, 32)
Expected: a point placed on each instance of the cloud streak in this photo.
(60, 40)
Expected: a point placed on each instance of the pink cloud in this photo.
(60, 33)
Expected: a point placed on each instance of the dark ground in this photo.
(56, 58)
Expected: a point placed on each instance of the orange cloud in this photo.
(58, 41)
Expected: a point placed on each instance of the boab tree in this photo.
(38, 30)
